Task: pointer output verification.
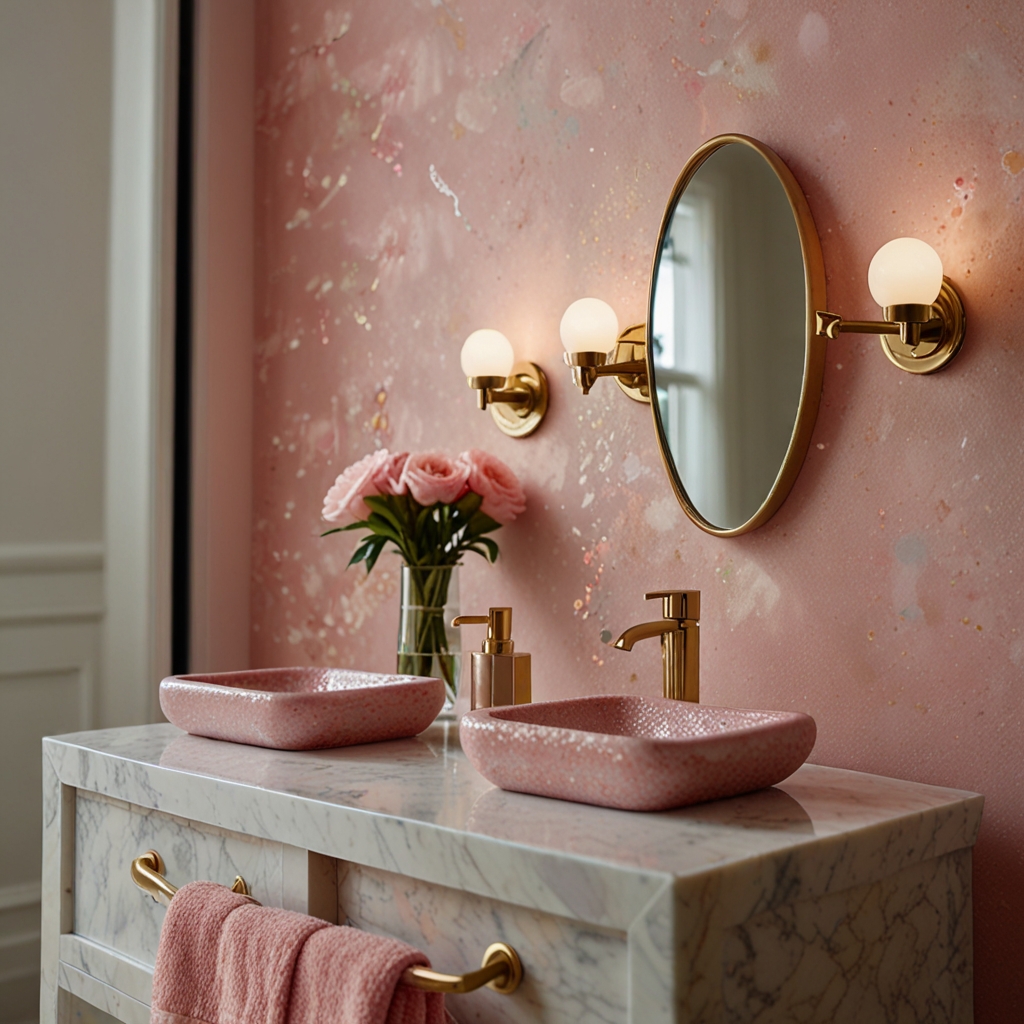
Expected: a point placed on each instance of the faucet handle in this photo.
(677, 604)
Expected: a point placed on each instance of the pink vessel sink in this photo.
(635, 753)
(301, 708)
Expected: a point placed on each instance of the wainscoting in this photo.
(51, 612)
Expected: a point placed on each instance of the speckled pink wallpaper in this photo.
(427, 167)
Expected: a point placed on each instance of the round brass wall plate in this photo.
(941, 338)
(505, 953)
(632, 344)
(523, 418)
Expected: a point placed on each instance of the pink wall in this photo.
(885, 597)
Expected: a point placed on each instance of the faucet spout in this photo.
(679, 632)
(646, 631)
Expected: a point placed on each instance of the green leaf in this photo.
(481, 523)
(361, 525)
(421, 521)
(383, 528)
(490, 545)
(361, 552)
(382, 507)
(468, 504)
(426, 539)
(371, 558)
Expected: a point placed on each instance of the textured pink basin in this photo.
(636, 753)
(301, 708)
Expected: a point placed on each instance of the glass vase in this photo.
(428, 644)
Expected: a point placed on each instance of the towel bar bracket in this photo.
(501, 969)
(148, 874)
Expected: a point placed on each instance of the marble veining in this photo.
(574, 971)
(748, 909)
(899, 942)
(111, 910)
(426, 780)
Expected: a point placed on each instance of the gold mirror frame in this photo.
(814, 349)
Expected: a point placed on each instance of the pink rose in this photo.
(388, 478)
(495, 483)
(433, 476)
(344, 501)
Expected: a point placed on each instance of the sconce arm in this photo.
(497, 390)
(916, 337)
(631, 368)
(507, 396)
(830, 325)
(588, 366)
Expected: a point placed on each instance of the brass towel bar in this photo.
(500, 970)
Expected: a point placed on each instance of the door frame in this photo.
(136, 649)
(136, 639)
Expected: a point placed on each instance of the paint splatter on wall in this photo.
(426, 168)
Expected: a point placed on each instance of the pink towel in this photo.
(345, 976)
(224, 959)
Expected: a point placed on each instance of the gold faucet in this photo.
(679, 630)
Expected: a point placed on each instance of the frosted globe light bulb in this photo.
(589, 325)
(905, 271)
(487, 353)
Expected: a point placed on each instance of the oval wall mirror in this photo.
(733, 358)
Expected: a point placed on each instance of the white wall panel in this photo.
(51, 609)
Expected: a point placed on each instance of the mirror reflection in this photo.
(728, 334)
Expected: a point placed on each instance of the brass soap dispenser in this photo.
(499, 676)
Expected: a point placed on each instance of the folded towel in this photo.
(346, 976)
(224, 959)
(185, 985)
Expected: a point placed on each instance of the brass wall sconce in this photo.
(594, 348)
(924, 323)
(516, 393)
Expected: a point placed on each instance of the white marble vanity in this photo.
(835, 896)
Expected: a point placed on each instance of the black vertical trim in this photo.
(181, 576)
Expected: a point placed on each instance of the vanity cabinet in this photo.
(835, 896)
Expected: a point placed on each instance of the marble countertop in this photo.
(427, 781)
(781, 865)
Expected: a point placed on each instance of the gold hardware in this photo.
(148, 874)
(631, 348)
(815, 350)
(499, 629)
(679, 631)
(499, 677)
(484, 386)
(677, 604)
(628, 365)
(501, 969)
(518, 402)
(928, 336)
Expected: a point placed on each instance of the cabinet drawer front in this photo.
(573, 971)
(110, 834)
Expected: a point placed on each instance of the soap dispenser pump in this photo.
(499, 676)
